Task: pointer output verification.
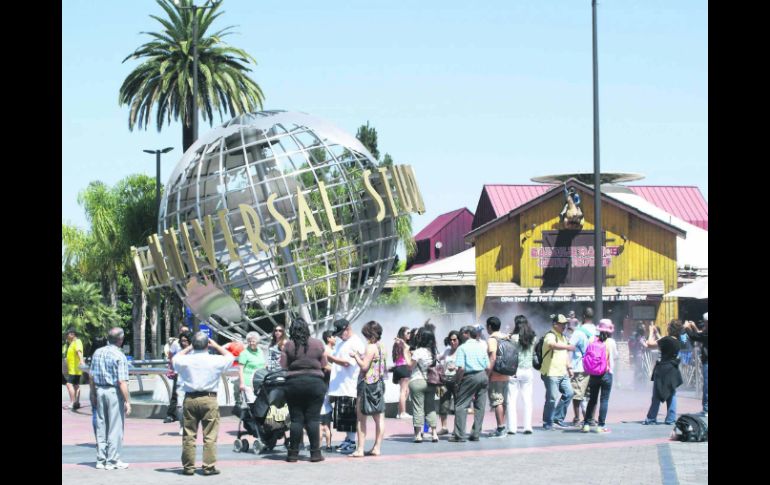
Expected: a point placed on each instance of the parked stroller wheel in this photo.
(238, 446)
(245, 445)
(257, 446)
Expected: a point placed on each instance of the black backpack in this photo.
(690, 427)
(537, 356)
(506, 358)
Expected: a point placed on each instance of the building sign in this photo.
(581, 298)
(567, 258)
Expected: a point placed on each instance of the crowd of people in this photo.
(337, 382)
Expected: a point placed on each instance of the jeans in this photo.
(596, 383)
(552, 411)
(705, 387)
(652, 414)
(521, 384)
(305, 395)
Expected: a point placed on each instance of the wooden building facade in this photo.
(528, 260)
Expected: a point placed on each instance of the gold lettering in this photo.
(170, 245)
(252, 225)
(289, 233)
(375, 195)
(228, 236)
(305, 214)
(388, 191)
(328, 206)
(206, 241)
(403, 196)
(161, 272)
(191, 263)
(416, 195)
(138, 268)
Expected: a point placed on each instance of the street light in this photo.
(598, 253)
(157, 172)
(194, 9)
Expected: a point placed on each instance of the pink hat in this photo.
(605, 325)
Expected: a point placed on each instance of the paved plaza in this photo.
(629, 454)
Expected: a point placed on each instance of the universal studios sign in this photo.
(285, 207)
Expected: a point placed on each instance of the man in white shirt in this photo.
(200, 373)
(343, 382)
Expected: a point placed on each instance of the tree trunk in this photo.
(114, 291)
(154, 326)
(187, 134)
(139, 308)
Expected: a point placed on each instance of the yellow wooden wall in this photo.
(496, 252)
(649, 252)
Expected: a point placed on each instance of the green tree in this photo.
(164, 80)
(368, 136)
(83, 310)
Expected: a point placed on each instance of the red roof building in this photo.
(447, 231)
(684, 202)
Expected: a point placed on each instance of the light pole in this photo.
(157, 172)
(195, 9)
(598, 256)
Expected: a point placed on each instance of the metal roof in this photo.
(684, 202)
(439, 223)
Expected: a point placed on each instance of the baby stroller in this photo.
(267, 418)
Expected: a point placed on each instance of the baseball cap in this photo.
(571, 314)
(340, 326)
(559, 318)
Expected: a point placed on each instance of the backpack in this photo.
(537, 355)
(690, 427)
(595, 358)
(506, 358)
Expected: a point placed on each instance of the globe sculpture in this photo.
(276, 215)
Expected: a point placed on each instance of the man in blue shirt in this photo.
(472, 379)
(110, 400)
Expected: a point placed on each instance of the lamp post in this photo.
(195, 9)
(157, 172)
(598, 255)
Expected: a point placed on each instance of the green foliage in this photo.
(402, 296)
(164, 80)
(82, 309)
(368, 137)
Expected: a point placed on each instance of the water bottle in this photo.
(425, 427)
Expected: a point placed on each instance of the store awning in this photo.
(635, 291)
(456, 270)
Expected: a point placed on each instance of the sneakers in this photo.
(118, 465)
(404, 416)
(547, 427)
(649, 422)
(169, 419)
(576, 422)
(211, 471)
(586, 428)
(100, 465)
(346, 447)
(498, 433)
(455, 439)
(188, 471)
(527, 431)
(602, 429)
(473, 438)
(559, 425)
(442, 432)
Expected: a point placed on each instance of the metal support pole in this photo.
(598, 254)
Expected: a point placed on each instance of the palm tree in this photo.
(164, 80)
(83, 310)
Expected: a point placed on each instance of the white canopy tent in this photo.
(698, 290)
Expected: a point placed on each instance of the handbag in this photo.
(435, 371)
(373, 395)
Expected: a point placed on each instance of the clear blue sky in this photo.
(467, 94)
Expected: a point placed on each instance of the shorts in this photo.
(401, 372)
(326, 419)
(579, 383)
(498, 393)
(73, 379)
